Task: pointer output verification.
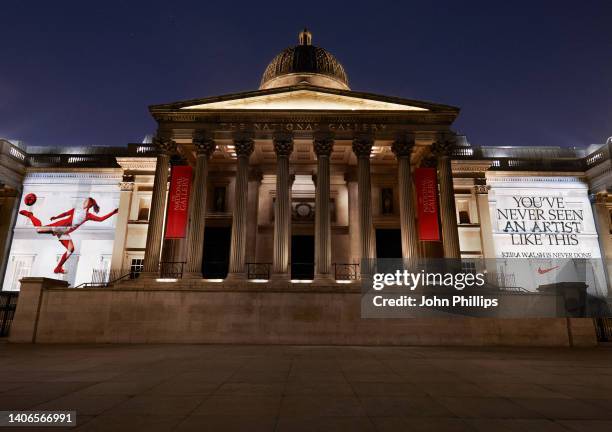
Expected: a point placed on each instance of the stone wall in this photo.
(169, 313)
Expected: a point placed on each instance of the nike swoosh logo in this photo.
(543, 271)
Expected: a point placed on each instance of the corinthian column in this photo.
(244, 148)
(323, 146)
(402, 148)
(283, 147)
(362, 147)
(204, 147)
(165, 147)
(442, 149)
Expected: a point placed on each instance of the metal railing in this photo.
(346, 271)
(603, 328)
(171, 269)
(106, 276)
(258, 270)
(68, 160)
(101, 281)
(8, 303)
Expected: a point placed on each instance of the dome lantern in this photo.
(305, 37)
(304, 64)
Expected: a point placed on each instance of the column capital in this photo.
(362, 145)
(283, 144)
(204, 144)
(402, 145)
(323, 144)
(243, 145)
(481, 189)
(126, 186)
(444, 143)
(164, 145)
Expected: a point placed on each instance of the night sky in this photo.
(523, 73)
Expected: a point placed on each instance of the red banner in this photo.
(178, 202)
(427, 201)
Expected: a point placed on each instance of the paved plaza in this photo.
(311, 388)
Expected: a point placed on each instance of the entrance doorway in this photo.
(217, 242)
(302, 257)
(388, 243)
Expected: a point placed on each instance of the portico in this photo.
(332, 157)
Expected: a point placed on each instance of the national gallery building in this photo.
(295, 182)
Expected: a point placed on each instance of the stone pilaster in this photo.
(283, 147)
(442, 149)
(8, 215)
(481, 194)
(244, 148)
(601, 216)
(323, 146)
(125, 203)
(204, 147)
(362, 147)
(165, 147)
(402, 148)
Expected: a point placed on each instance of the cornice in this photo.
(470, 165)
(505, 177)
(214, 118)
(93, 171)
(137, 163)
(100, 177)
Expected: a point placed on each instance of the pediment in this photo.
(303, 99)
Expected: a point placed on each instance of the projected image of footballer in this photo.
(69, 221)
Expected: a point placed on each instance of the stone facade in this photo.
(293, 183)
(124, 178)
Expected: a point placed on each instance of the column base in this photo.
(324, 279)
(280, 279)
(148, 275)
(236, 277)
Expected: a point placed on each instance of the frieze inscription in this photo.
(307, 126)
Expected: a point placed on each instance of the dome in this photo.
(304, 64)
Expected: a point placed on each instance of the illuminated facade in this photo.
(299, 180)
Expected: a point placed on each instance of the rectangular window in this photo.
(468, 267)
(101, 274)
(136, 267)
(219, 199)
(143, 209)
(464, 217)
(463, 210)
(19, 267)
(386, 201)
